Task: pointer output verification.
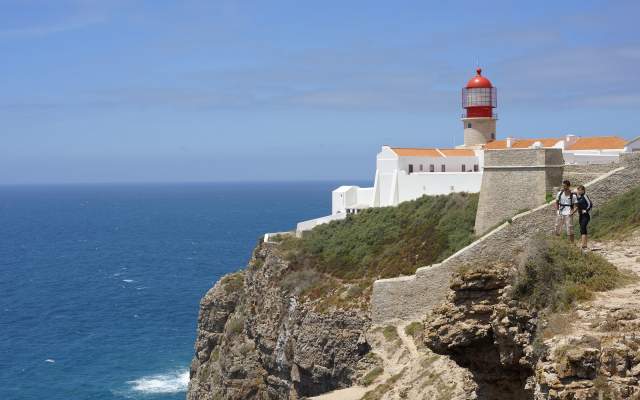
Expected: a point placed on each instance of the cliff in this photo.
(256, 340)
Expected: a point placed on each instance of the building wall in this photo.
(516, 180)
(418, 184)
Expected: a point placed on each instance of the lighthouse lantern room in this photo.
(479, 98)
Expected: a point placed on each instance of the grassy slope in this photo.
(388, 241)
(617, 217)
(555, 274)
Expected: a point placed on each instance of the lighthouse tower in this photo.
(479, 98)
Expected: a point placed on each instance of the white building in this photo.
(408, 173)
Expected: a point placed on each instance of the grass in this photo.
(617, 217)
(382, 389)
(390, 333)
(388, 241)
(233, 282)
(555, 274)
(414, 329)
(372, 375)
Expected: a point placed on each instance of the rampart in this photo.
(514, 180)
(411, 297)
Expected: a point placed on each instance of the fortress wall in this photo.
(411, 297)
(406, 297)
(515, 180)
(581, 174)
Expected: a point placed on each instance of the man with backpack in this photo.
(566, 204)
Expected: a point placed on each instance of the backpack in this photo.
(573, 198)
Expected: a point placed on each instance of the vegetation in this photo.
(233, 282)
(372, 375)
(555, 274)
(617, 217)
(390, 333)
(235, 325)
(414, 329)
(380, 390)
(388, 241)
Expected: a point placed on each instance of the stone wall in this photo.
(407, 297)
(581, 174)
(515, 180)
(411, 297)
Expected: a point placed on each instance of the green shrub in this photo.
(235, 325)
(390, 333)
(233, 282)
(555, 274)
(372, 375)
(413, 329)
(617, 217)
(297, 282)
(388, 241)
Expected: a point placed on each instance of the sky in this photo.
(215, 90)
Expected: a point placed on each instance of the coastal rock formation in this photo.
(485, 332)
(257, 341)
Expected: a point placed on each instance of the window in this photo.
(468, 125)
(476, 168)
(493, 136)
(464, 168)
(410, 168)
(432, 168)
(443, 168)
(421, 167)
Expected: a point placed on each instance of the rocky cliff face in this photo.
(484, 331)
(257, 341)
(591, 352)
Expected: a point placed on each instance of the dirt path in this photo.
(592, 315)
(409, 371)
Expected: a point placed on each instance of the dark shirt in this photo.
(584, 204)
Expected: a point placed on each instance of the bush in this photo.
(297, 282)
(388, 241)
(617, 217)
(555, 274)
(390, 333)
(413, 329)
(233, 282)
(372, 375)
(235, 325)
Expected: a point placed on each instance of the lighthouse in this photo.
(479, 98)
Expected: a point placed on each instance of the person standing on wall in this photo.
(584, 207)
(566, 204)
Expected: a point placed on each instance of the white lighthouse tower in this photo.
(479, 98)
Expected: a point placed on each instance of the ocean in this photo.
(100, 284)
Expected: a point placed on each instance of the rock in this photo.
(254, 341)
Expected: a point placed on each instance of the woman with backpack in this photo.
(584, 207)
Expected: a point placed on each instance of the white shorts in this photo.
(565, 221)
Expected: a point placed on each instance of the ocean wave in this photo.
(171, 382)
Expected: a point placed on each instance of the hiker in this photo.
(584, 207)
(566, 206)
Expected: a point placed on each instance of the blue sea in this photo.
(100, 284)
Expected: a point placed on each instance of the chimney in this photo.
(510, 141)
(570, 139)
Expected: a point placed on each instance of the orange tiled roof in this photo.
(520, 143)
(598, 142)
(432, 152)
(458, 152)
(415, 152)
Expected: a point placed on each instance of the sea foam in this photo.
(171, 382)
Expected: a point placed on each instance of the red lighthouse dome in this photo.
(479, 81)
(479, 97)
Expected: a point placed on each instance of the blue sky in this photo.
(146, 91)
